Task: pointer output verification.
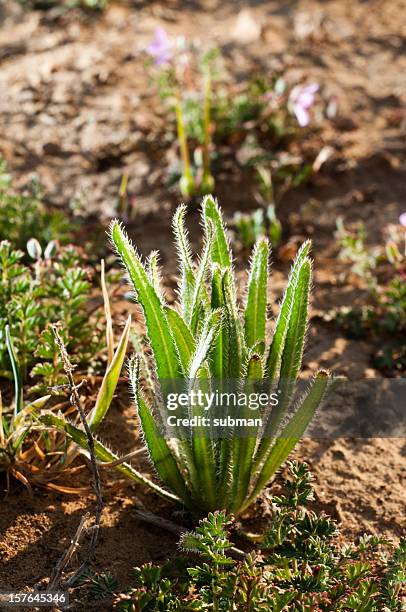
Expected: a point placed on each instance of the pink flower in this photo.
(302, 98)
(160, 48)
(402, 219)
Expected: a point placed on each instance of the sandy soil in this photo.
(74, 109)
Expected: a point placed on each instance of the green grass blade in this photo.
(20, 439)
(219, 359)
(154, 273)
(110, 380)
(31, 408)
(234, 341)
(255, 309)
(291, 357)
(18, 385)
(103, 454)
(294, 343)
(292, 433)
(203, 445)
(107, 312)
(205, 343)
(159, 334)
(199, 299)
(232, 325)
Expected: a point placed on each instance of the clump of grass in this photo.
(262, 222)
(207, 338)
(34, 452)
(249, 227)
(300, 565)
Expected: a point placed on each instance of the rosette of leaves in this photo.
(209, 336)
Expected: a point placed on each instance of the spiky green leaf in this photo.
(220, 251)
(187, 283)
(185, 343)
(255, 309)
(18, 385)
(292, 432)
(282, 323)
(159, 334)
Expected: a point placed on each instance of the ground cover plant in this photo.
(205, 339)
(298, 565)
(55, 287)
(383, 271)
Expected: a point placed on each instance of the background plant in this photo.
(256, 119)
(55, 287)
(300, 566)
(16, 424)
(64, 5)
(185, 83)
(262, 222)
(383, 270)
(23, 214)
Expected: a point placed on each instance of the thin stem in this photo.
(75, 401)
(206, 123)
(184, 151)
(187, 186)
